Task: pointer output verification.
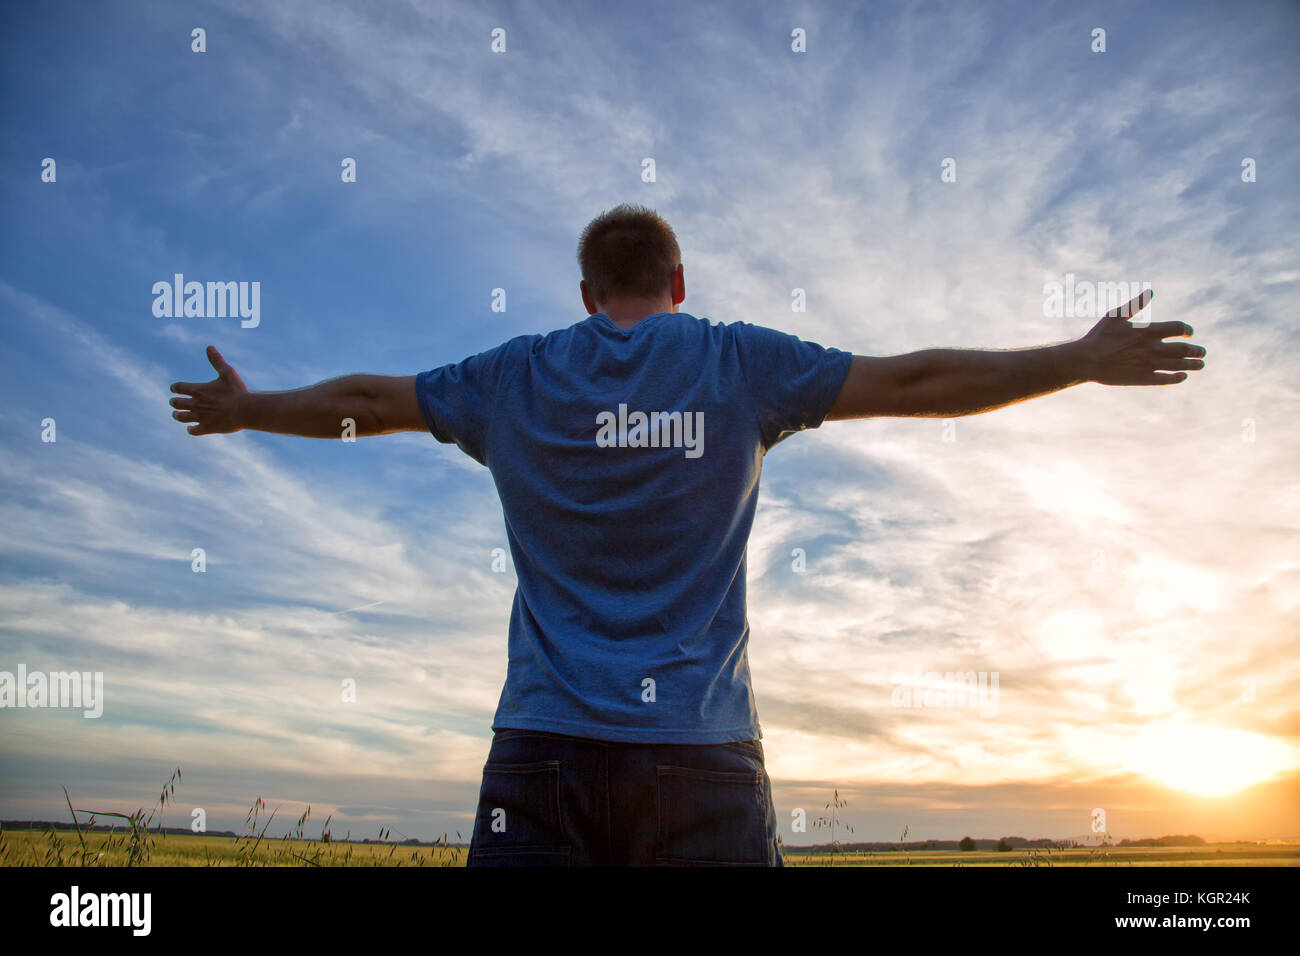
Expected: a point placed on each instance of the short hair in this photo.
(628, 251)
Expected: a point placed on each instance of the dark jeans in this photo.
(555, 800)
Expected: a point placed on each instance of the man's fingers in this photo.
(1162, 330)
(1176, 363)
(187, 388)
(1166, 350)
(1161, 378)
(220, 364)
(1132, 306)
(182, 403)
(197, 430)
(186, 416)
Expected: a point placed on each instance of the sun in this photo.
(1205, 760)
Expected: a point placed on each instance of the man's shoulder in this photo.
(671, 324)
(699, 320)
(675, 321)
(735, 328)
(520, 344)
(685, 323)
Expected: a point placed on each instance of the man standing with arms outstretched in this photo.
(626, 450)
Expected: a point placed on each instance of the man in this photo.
(626, 450)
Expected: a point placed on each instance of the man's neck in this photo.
(626, 313)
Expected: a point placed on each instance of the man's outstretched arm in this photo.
(947, 383)
(378, 404)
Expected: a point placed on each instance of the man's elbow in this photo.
(389, 405)
(896, 386)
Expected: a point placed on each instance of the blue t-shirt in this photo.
(627, 462)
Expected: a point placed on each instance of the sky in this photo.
(1122, 562)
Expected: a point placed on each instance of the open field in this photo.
(64, 847)
(1214, 854)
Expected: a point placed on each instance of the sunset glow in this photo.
(1208, 761)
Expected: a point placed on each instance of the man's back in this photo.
(628, 461)
(627, 451)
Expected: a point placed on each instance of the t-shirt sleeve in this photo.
(456, 400)
(792, 383)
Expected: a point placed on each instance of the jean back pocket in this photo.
(519, 820)
(711, 818)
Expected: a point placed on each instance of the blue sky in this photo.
(1124, 559)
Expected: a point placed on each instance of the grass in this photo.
(35, 848)
(134, 843)
(1214, 854)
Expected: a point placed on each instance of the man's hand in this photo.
(1116, 352)
(945, 383)
(212, 406)
(350, 405)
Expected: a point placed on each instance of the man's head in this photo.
(629, 256)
